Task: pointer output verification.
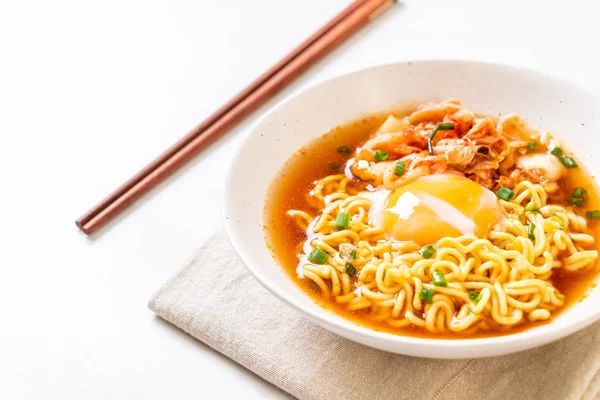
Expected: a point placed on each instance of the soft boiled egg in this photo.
(437, 206)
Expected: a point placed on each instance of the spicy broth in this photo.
(291, 190)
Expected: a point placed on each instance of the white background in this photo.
(90, 91)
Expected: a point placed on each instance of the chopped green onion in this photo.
(530, 146)
(350, 270)
(575, 201)
(428, 251)
(400, 166)
(556, 151)
(531, 206)
(426, 295)
(353, 254)
(342, 221)
(505, 193)
(595, 214)
(344, 150)
(438, 279)
(380, 155)
(476, 297)
(447, 126)
(334, 166)
(318, 256)
(580, 193)
(531, 231)
(568, 162)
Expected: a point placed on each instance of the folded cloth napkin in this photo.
(215, 299)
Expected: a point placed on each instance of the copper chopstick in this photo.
(355, 16)
(81, 222)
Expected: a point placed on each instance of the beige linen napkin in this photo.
(214, 299)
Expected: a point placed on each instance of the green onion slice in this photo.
(505, 193)
(350, 270)
(426, 295)
(531, 231)
(595, 214)
(568, 162)
(380, 155)
(318, 256)
(334, 166)
(353, 254)
(428, 251)
(579, 192)
(476, 297)
(342, 221)
(446, 126)
(438, 279)
(400, 166)
(530, 146)
(344, 150)
(556, 151)
(575, 201)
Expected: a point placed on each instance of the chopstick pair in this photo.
(342, 26)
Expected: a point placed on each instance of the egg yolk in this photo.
(438, 206)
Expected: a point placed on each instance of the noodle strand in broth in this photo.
(366, 243)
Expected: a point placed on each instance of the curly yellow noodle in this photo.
(302, 219)
(508, 272)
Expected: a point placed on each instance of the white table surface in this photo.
(92, 91)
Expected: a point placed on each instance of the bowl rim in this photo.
(541, 334)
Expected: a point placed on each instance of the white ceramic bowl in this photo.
(551, 103)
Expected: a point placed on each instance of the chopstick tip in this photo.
(81, 226)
